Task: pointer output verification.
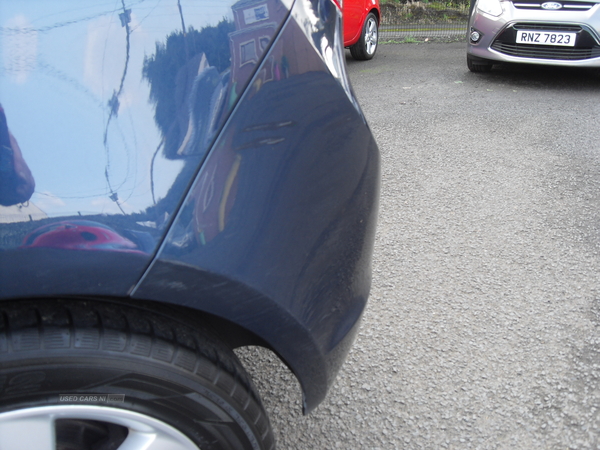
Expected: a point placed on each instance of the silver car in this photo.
(559, 33)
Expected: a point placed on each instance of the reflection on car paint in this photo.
(246, 218)
(16, 182)
(85, 235)
(215, 191)
(324, 38)
(247, 160)
(192, 78)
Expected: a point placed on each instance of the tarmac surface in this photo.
(483, 325)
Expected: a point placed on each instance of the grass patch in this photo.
(409, 40)
(424, 40)
(443, 4)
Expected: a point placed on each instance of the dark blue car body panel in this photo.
(252, 198)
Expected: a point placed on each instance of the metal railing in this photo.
(420, 21)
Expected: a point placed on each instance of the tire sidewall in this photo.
(359, 50)
(177, 397)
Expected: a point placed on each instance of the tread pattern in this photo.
(29, 325)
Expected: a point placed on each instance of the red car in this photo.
(361, 26)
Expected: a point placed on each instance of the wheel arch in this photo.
(309, 372)
(377, 13)
(251, 318)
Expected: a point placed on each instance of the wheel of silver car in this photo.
(366, 46)
(478, 66)
(82, 375)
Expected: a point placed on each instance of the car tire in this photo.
(478, 65)
(107, 376)
(366, 46)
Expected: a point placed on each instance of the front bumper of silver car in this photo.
(493, 37)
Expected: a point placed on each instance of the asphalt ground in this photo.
(483, 325)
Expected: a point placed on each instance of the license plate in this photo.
(546, 38)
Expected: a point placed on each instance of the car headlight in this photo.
(491, 7)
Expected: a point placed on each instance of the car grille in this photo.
(546, 52)
(586, 47)
(548, 27)
(566, 6)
